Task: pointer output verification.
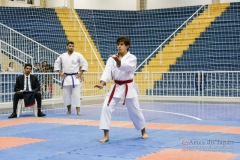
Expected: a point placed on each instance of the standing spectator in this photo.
(48, 79)
(71, 76)
(44, 66)
(45, 80)
(40, 76)
(49, 69)
(37, 68)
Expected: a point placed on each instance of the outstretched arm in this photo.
(106, 75)
(100, 85)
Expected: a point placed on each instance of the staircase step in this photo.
(174, 49)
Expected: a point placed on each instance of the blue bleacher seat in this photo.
(216, 49)
(146, 33)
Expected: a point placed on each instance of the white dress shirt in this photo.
(29, 83)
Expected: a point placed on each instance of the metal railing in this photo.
(173, 35)
(50, 85)
(87, 40)
(215, 84)
(9, 54)
(27, 45)
(193, 84)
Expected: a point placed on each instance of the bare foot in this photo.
(69, 111)
(104, 139)
(144, 134)
(78, 110)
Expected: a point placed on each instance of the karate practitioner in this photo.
(71, 76)
(120, 68)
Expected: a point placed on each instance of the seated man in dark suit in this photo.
(27, 85)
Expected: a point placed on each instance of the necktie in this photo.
(27, 88)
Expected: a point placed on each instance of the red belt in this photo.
(120, 83)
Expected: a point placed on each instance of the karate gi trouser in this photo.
(71, 96)
(133, 108)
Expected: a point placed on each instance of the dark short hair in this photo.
(10, 64)
(70, 43)
(123, 39)
(28, 64)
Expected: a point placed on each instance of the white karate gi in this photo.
(70, 64)
(122, 73)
